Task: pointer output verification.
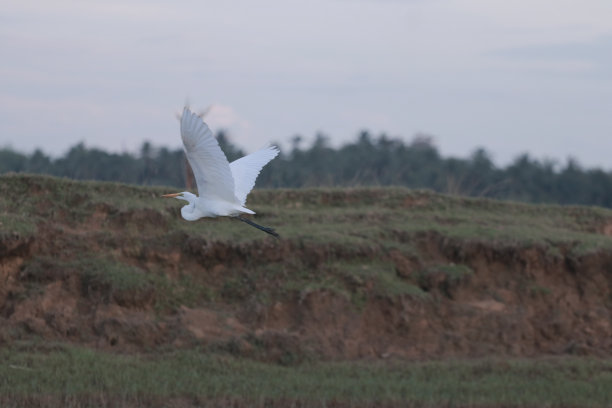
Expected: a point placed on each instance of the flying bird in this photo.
(222, 186)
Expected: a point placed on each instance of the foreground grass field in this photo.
(59, 375)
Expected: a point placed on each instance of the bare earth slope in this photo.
(357, 273)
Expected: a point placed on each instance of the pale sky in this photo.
(525, 76)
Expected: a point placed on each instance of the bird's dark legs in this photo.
(260, 227)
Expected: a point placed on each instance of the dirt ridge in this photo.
(97, 279)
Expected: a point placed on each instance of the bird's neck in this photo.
(189, 212)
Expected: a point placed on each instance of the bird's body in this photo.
(222, 186)
(199, 207)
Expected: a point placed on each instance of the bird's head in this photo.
(185, 196)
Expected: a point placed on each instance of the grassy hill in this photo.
(385, 275)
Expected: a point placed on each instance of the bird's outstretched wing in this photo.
(208, 162)
(246, 169)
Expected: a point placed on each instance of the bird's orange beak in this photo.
(171, 195)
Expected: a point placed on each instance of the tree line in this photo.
(367, 161)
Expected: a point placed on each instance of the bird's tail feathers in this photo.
(246, 210)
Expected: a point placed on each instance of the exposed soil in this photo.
(517, 300)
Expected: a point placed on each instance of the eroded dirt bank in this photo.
(105, 279)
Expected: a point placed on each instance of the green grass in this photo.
(537, 290)
(83, 376)
(446, 276)
(381, 275)
(359, 217)
(109, 280)
(16, 226)
(349, 218)
(353, 280)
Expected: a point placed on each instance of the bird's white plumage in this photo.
(208, 162)
(246, 169)
(222, 186)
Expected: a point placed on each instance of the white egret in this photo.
(222, 186)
